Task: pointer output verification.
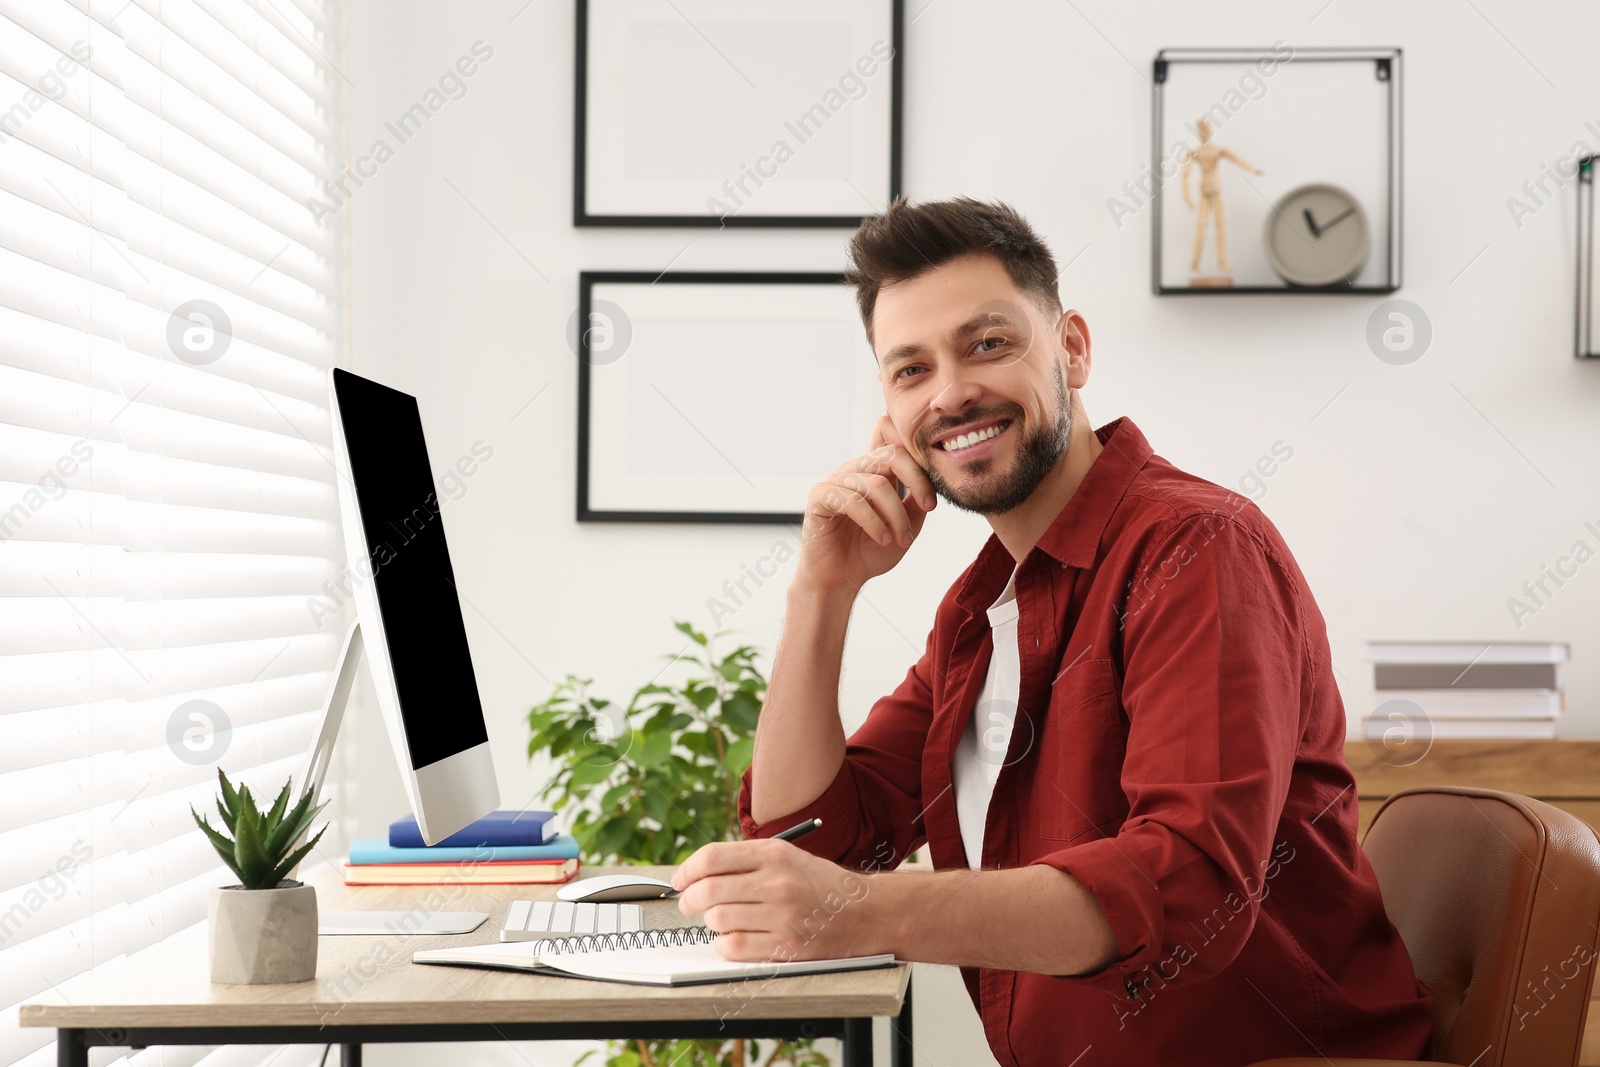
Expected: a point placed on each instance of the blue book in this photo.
(495, 828)
(365, 850)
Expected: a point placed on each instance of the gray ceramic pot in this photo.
(259, 936)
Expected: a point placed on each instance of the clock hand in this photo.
(1346, 213)
(1312, 223)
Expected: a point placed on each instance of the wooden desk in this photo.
(1563, 774)
(367, 990)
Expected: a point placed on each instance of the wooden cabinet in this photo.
(1564, 774)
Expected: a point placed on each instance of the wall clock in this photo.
(1317, 236)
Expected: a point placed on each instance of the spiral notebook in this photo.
(677, 956)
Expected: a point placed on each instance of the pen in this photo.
(799, 830)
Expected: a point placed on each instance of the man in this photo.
(1122, 746)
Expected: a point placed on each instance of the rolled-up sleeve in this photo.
(872, 810)
(1214, 654)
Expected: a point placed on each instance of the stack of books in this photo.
(503, 847)
(1468, 689)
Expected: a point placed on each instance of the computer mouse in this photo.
(612, 887)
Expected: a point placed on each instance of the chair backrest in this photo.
(1497, 897)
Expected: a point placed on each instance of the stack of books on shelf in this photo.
(1468, 689)
(503, 847)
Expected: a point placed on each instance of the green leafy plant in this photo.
(262, 850)
(711, 1054)
(652, 780)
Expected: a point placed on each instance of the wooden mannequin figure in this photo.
(1207, 156)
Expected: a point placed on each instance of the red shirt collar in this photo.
(1073, 537)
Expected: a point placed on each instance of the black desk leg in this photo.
(350, 1055)
(858, 1042)
(71, 1049)
(901, 1050)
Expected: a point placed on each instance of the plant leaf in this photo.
(251, 861)
(693, 742)
(616, 795)
(657, 746)
(740, 712)
(613, 833)
(739, 754)
(229, 804)
(247, 803)
(223, 845)
(281, 837)
(281, 871)
(691, 633)
(276, 814)
(589, 773)
(654, 805)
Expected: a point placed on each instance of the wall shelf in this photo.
(1328, 118)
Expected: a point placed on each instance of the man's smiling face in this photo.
(973, 382)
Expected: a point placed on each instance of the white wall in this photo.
(1417, 502)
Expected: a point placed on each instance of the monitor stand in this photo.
(403, 923)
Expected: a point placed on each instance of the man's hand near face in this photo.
(856, 525)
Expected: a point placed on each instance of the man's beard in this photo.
(1037, 457)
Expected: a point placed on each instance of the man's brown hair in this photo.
(908, 240)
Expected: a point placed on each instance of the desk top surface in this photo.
(1544, 769)
(364, 980)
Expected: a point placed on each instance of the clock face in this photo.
(1316, 235)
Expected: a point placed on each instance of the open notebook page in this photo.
(664, 965)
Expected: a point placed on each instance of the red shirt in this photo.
(1178, 749)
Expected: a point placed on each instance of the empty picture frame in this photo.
(1586, 345)
(717, 396)
(726, 113)
(1305, 117)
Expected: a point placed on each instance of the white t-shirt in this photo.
(982, 750)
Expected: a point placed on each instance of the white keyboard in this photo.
(529, 920)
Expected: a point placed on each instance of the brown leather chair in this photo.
(1497, 897)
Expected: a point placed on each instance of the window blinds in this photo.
(169, 309)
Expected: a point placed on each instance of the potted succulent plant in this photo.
(265, 928)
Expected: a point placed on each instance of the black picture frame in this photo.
(1583, 330)
(587, 280)
(1388, 66)
(581, 216)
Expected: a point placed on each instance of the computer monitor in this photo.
(408, 613)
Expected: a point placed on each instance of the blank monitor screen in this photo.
(410, 566)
